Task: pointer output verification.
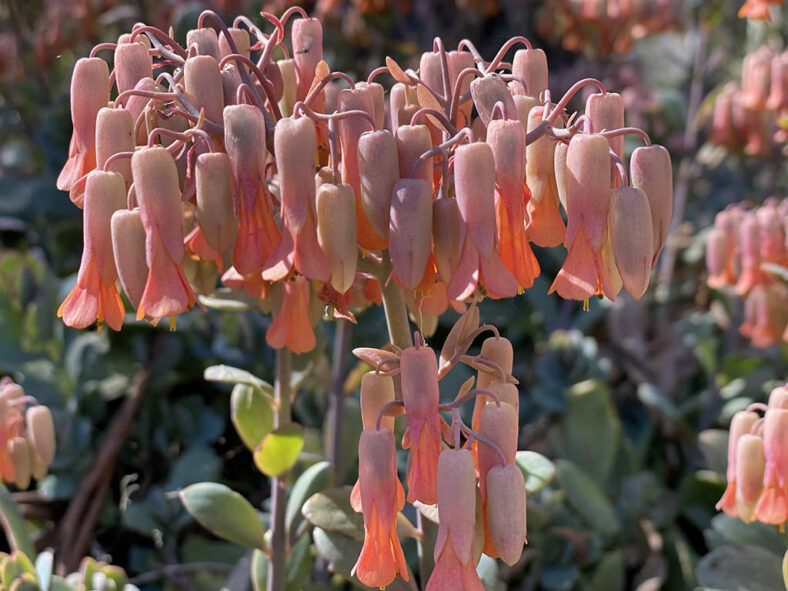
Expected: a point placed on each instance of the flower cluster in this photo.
(758, 462)
(609, 26)
(740, 247)
(27, 436)
(478, 488)
(215, 158)
(752, 113)
(757, 9)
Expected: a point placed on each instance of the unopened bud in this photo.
(132, 64)
(215, 200)
(506, 511)
(41, 431)
(379, 172)
(530, 65)
(336, 233)
(630, 234)
(128, 246)
(410, 230)
(651, 171)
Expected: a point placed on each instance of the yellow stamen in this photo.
(172, 323)
(585, 305)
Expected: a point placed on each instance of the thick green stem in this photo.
(399, 333)
(14, 525)
(276, 566)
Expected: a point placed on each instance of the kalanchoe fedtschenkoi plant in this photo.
(27, 436)
(745, 251)
(758, 462)
(212, 168)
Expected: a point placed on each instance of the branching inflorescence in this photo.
(297, 184)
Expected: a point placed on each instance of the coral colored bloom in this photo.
(773, 504)
(382, 497)
(757, 10)
(295, 143)
(89, 94)
(167, 291)
(474, 173)
(420, 393)
(455, 568)
(507, 140)
(292, 327)
(12, 424)
(95, 296)
(740, 424)
(244, 138)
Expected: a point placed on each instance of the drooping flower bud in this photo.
(379, 172)
(382, 497)
(295, 144)
(412, 142)
(128, 246)
(241, 39)
(114, 134)
(454, 564)
(631, 238)
(488, 91)
(167, 292)
(245, 141)
(773, 504)
(400, 96)
(377, 94)
(287, 69)
(588, 188)
(507, 141)
(750, 481)
(410, 230)
(447, 236)
(307, 36)
(499, 425)
(606, 113)
(132, 63)
(474, 173)
(420, 393)
(203, 85)
(206, 40)
(651, 171)
(215, 200)
(89, 94)
(459, 61)
(741, 424)
(506, 511)
(336, 233)
(545, 226)
(41, 433)
(95, 296)
(530, 65)
(19, 454)
(750, 252)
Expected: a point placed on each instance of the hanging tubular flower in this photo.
(420, 393)
(336, 233)
(631, 238)
(589, 267)
(115, 133)
(455, 569)
(474, 173)
(307, 38)
(295, 144)
(244, 138)
(89, 94)
(376, 391)
(382, 497)
(506, 138)
(379, 172)
(750, 464)
(167, 292)
(95, 296)
(132, 63)
(292, 327)
(545, 226)
(651, 171)
(773, 504)
(410, 231)
(741, 424)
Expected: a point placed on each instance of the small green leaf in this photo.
(227, 301)
(778, 271)
(251, 414)
(44, 563)
(259, 570)
(224, 512)
(609, 574)
(234, 375)
(537, 470)
(587, 498)
(740, 567)
(331, 511)
(314, 479)
(340, 552)
(279, 450)
(590, 431)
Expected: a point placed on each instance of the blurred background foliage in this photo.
(632, 399)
